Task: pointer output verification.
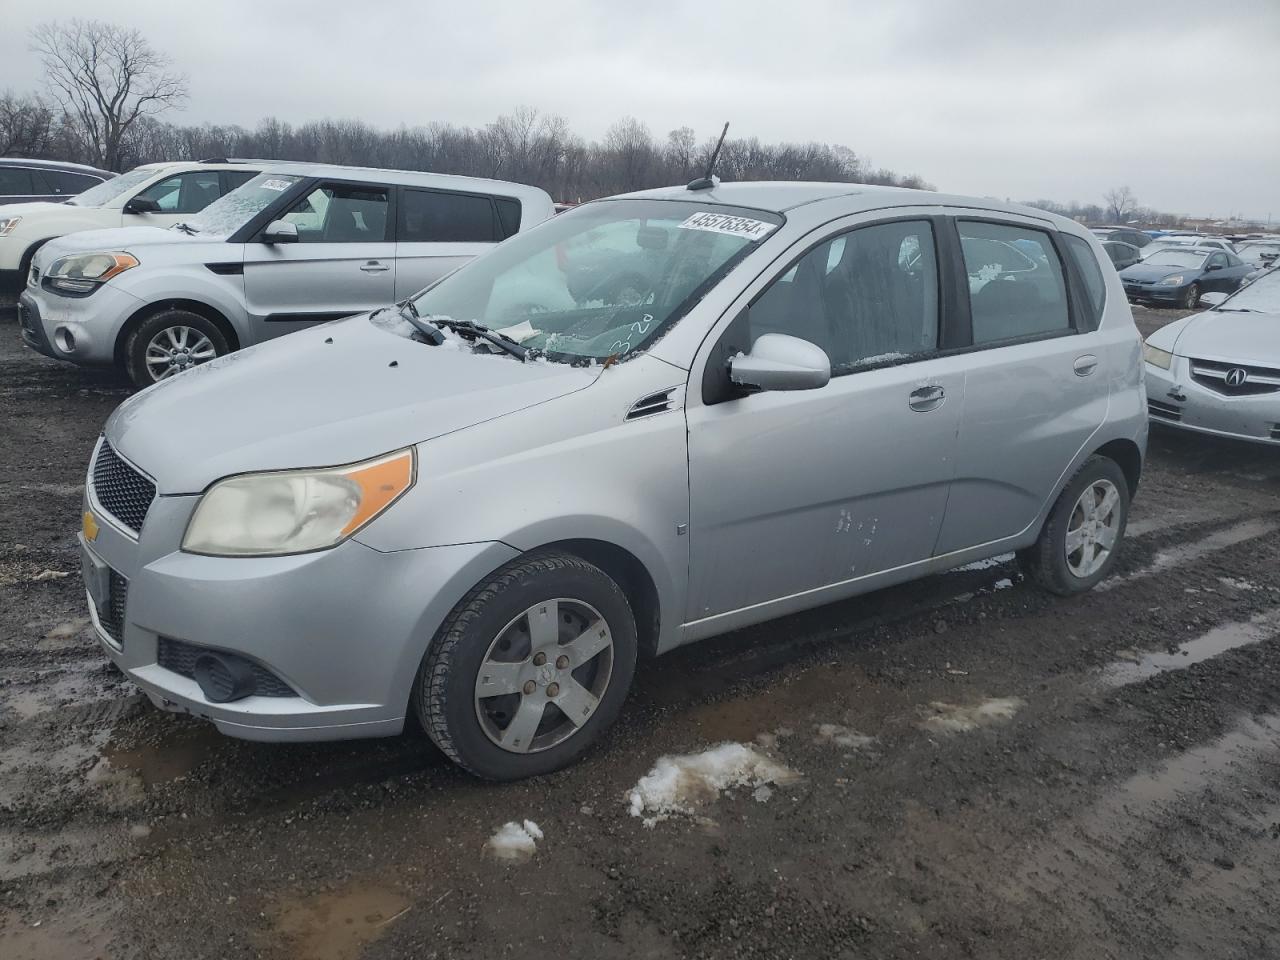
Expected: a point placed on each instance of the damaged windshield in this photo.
(603, 280)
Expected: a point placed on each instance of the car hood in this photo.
(120, 238)
(1152, 271)
(338, 393)
(1229, 337)
(26, 209)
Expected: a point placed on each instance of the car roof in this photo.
(781, 196)
(54, 165)
(408, 178)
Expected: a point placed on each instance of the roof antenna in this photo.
(706, 182)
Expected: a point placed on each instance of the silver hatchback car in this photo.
(653, 419)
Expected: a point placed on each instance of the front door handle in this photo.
(924, 399)
(1085, 365)
(373, 266)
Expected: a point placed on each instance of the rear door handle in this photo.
(1085, 365)
(924, 399)
(373, 266)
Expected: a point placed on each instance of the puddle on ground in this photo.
(172, 757)
(1184, 553)
(59, 934)
(336, 926)
(1219, 640)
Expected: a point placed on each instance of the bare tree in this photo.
(27, 127)
(1120, 203)
(106, 77)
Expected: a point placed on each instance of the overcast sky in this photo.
(1009, 98)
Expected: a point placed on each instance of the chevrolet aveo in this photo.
(652, 419)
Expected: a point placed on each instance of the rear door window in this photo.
(15, 182)
(69, 184)
(1016, 283)
(433, 216)
(236, 178)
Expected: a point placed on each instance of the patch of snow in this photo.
(954, 718)
(989, 562)
(879, 358)
(840, 736)
(1004, 584)
(514, 841)
(1236, 584)
(680, 785)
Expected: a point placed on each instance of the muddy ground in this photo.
(1119, 795)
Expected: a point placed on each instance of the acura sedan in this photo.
(1218, 372)
(1178, 277)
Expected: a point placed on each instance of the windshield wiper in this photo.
(1235, 310)
(186, 228)
(429, 330)
(467, 328)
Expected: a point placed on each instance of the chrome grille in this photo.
(120, 489)
(1225, 378)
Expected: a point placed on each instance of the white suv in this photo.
(154, 195)
(299, 244)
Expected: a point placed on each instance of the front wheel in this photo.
(529, 669)
(1077, 547)
(169, 342)
(1191, 297)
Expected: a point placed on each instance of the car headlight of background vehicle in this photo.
(296, 511)
(7, 224)
(84, 272)
(1174, 281)
(1157, 357)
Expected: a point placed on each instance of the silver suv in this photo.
(297, 245)
(652, 419)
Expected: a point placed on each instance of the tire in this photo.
(1191, 297)
(24, 265)
(485, 734)
(171, 329)
(1050, 562)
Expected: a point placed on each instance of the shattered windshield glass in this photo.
(604, 280)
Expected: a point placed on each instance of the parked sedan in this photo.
(1122, 254)
(482, 519)
(1178, 277)
(1260, 253)
(1131, 235)
(1218, 372)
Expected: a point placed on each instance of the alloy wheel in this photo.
(177, 348)
(1093, 528)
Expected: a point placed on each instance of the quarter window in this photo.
(337, 213)
(867, 297)
(1082, 254)
(70, 183)
(1016, 287)
(15, 182)
(430, 216)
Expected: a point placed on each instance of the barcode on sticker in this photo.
(275, 184)
(725, 223)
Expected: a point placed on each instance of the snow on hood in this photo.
(1220, 335)
(1154, 271)
(37, 206)
(339, 393)
(116, 238)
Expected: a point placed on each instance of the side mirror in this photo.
(142, 205)
(1213, 298)
(280, 231)
(1212, 267)
(780, 362)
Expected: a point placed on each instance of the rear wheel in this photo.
(1077, 547)
(529, 669)
(1191, 297)
(169, 342)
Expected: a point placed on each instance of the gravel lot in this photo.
(1119, 796)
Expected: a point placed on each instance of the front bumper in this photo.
(1176, 400)
(79, 329)
(1154, 292)
(32, 326)
(345, 628)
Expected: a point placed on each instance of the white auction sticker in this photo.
(276, 184)
(725, 223)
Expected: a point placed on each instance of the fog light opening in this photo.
(224, 679)
(65, 339)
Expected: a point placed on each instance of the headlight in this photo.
(82, 272)
(295, 511)
(1157, 357)
(1174, 281)
(7, 224)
